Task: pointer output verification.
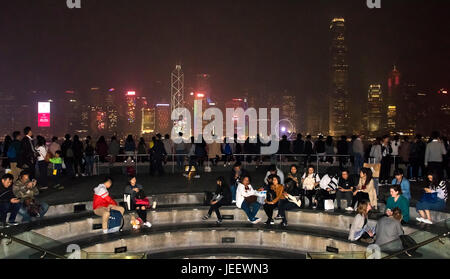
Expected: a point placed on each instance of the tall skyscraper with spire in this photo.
(339, 108)
(392, 101)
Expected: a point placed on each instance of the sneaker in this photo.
(278, 217)
(269, 222)
(43, 188)
(256, 221)
(420, 219)
(219, 221)
(148, 224)
(3, 226)
(426, 221)
(56, 186)
(12, 224)
(206, 217)
(284, 224)
(105, 231)
(197, 176)
(233, 202)
(349, 209)
(60, 188)
(77, 175)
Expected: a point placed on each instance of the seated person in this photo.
(365, 189)
(328, 185)
(434, 198)
(274, 195)
(221, 197)
(403, 182)
(236, 175)
(103, 203)
(360, 229)
(397, 200)
(26, 190)
(310, 181)
(8, 202)
(136, 191)
(273, 170)
(345, 190)
(295, 176)
(389, 228)
(246, 199)
(289, 201)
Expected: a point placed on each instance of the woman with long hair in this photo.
(434, 198)
(360, 229)
(222, 196)
(310, 181)
(101, 148)
(274, 195)
(365, 191)
(138, 201)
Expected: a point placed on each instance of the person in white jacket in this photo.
(246, 199)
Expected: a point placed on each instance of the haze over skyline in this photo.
(242, 44)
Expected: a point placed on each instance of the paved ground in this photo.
(80, 189)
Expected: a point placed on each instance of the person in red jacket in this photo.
(103, 203)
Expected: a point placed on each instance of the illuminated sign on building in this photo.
(44, 114)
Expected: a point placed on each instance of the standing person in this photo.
(113, 149)
(26, 190)
(130, 148)
(68, 155)
(274, 195)
(180, 150)
(9, 203)
(386, 151)
(310, 181)
(103, 203)
(168, 144)
(329, 149)
(142, 150)
(345, 190)
(434, 155)
(389, 228)
(54, 146)
(237, 173)
(417, 158)
(319, 147)
(299, 146)
(284, 146)
(309, 149)
(13, 155)
(134, 190)
(57, 170)
(42, 150)
(200, 151)
(358, 152)
(395, 144)
(246, 199)
(6, 146)
(434, 198)
(159, 152)
(28, 154)
(342, 151)
(89, 152)
(228, 151)
(397, 200)
(401, 180)
(365, 189)
(403, 151)
(78, 151)
(214, 152)
(222, 197)
(375, 152)
(360, 230)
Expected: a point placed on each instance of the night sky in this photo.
(243, 44)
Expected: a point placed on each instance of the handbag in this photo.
(32, 207)
(251, 199)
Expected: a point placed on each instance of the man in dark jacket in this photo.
(8, 202)
(342, 151)
(27, 159)
(68, 155)
(158, 154)
(13, 156)
(309, 149)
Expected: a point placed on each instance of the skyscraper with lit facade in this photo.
(374, 110)
(392, 100)
(339, 113)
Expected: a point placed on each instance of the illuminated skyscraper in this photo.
(392, 100)
(162, 119)
(339, 114)
(131, 107)
(375, 110)
(204, 85)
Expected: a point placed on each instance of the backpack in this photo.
(228, 150)
(115, 222)
(12, 154)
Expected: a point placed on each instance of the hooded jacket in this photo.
(102, 198)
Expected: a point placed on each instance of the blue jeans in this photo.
(89, 165)
(251, 210)
(233, 189)
(27, 218)
(180, 159)
(359, 161)
(12, 208)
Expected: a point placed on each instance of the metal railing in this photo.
(45, 252)
(417, 246)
